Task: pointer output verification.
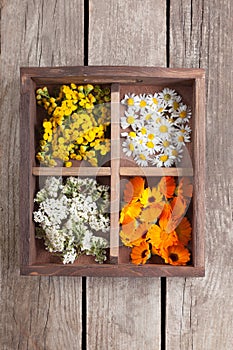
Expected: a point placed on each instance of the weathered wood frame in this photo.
(116, 76)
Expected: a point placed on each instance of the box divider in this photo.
(115, 173)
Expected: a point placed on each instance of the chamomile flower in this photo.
(175, 104)
(142, 159)
(165, 145)
(176, 153)
(143, 131)
(159, 108)
(146, 116)
(185, 129)
(167, 96)
(156, 117)
(153, 100)
(180, 139)
(163, 160)
(128, 120)
(129, 148)
(183, 114)
(142, 105)
(156, 128)
(130, 100)
(164, 129)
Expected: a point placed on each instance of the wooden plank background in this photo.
(119, 313)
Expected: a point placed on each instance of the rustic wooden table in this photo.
(118, 313)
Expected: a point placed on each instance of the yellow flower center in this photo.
(164, 158)
(163, 129)
(150, 144)
(131, 147)
(158, 120)
(132, 134)
(130, 101)
(155, 101)
(160, 109)
(143, 130)
(166, 143)
(151, 136)
(143, 103)
(183, 114)
(174, 153)
(175, 105)
(142, 156)
(130, 120)
(148, 117)
(167, 97)
(181, 138)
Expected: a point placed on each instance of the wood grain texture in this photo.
(199, 312)
(36, 312)
(127, 33)
(125, 312)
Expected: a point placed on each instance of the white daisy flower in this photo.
(175, 104)
(185, 129)
(165, 146)
(143, 131)
(176, 153)
(142, 159)
(157, 128)
(167, 96)
(164, 129)
(152, 145)
(161, 160)
(128, 120)
(142, 102)
(146, 116)
(183, 114)
(179, 139)
(129, 148)
(160, 107)
(152, 99)
(130, 100)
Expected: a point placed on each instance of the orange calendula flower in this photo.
(129, 212)
(161, 238)
(166, 212)
(140, 254)
(183, 231)
(176, 255)
(132, 235)
(133, 189)
(127, 233)
(140, 233)
(151, 213)
(151, 197)
(167, 186)
(178, 208)
(185, 188)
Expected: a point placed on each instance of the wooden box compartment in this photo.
(190, 84)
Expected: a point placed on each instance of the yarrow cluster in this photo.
(153, 221)
(70, 215)
(77, 124)
(157, 128)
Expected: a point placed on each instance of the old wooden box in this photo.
(190, 83)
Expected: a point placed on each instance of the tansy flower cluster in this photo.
(153, 220)
(157, 128)
(77, 124)
(70, 217)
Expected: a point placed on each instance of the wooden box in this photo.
(190, 83)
